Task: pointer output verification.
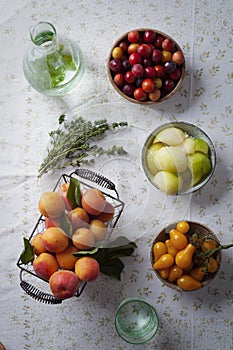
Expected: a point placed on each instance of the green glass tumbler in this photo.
(136, 321)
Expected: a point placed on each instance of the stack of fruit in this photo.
(176, 161)
(71, 226)
(187, 256)
(146, 66)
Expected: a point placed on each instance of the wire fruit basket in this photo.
(87, 179)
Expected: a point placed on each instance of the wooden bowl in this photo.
(202, 231)
(164, 95)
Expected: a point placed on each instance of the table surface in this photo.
(197, 320)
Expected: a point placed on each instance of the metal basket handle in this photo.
(97, 178)
(37, 294)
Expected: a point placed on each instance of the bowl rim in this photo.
(180, 124)
(131, 99)
(165, 231)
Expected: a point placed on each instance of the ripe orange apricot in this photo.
(45, 265)
(66, 259)
(79, 218)
(83, 239)
(107, 213)
(51, 204)
(38, 244)
(87, 269)
(99, 229)
(64, 284)
(55, 239)
(93, 201)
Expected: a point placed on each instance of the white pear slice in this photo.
(172, 159)
(171, 136)
(167, 182)
(201, 146)
(150, 158)
(188, 145)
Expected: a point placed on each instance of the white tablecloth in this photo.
(198, 320)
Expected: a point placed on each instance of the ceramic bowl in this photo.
(201, 231)
(188, 182)
(161, 92)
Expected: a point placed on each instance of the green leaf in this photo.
(28, 253)
(61, 119)
(120, 247)
(112, 268)
(74, 193)
(82, 253)
(66, 225)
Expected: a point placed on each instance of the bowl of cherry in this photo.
(146, 66)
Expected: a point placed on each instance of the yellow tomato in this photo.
(164, 273)
(165, 261)
(159, 248)
(184, 257)
(187, 282)
(183, 226)
(175, 272)
(170, 248)
(178, 239)
(197, 273)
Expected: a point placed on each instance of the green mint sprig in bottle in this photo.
(53, 65)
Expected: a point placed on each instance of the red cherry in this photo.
(140, 94)
(150, 72)
(137, 70)
(119, 79)
(176, 74)
(144, 50)
(129, 77)
(133, 36)
(149, 36)
(148, 85)
(135, 58)
(168, 44)
(159, 70)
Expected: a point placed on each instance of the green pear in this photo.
(201, 146)
(199, 165)
(167, 182)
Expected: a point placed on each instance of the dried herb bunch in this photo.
(73, 144)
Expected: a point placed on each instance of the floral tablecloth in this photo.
(196, 320)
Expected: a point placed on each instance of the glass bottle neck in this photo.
(44, 36)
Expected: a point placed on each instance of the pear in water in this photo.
(171, 136)
(201, 146)
(172, 159)
(150, 156)
(167, 182)
(199, 165)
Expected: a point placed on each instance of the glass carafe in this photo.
(53, 65)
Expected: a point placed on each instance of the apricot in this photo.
(63, 189)
(55, 239)
(66, 260)
(87, 269)
(2, 347)
(79, 218)
(51, 204)
(93, 201)
(38, 244)
(45, 265)
(64, 284)
(55, 222)
(107, 213)
(83, 239)
(99, 229)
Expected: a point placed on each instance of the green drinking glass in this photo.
(136, 321)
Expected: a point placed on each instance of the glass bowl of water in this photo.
(136, 321)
